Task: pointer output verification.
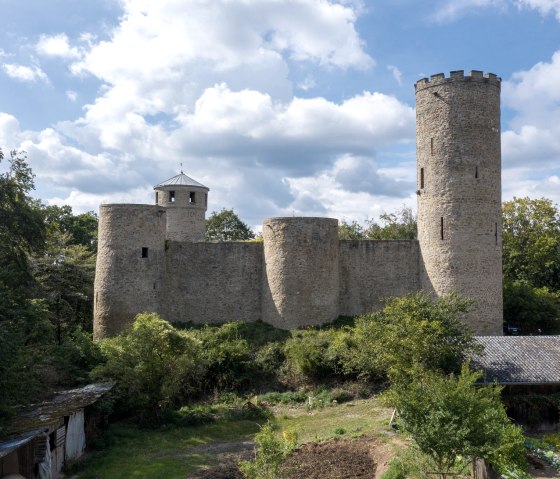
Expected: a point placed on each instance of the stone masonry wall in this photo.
(185, 219)
(126, 283)
(373, 270)
(213, 282)
(300, 281)
(459, 191)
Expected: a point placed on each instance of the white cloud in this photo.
(24, 73)
(208, 84)
(72, 95)
(545, 7)
(534, 134)
(56, 46)
(307, 84)
(397, 74)
(451, 10)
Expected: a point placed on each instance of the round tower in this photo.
(459, 191)
(185, 201)
(130, 259)
(301, 281)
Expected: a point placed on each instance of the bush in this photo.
(228, 357)
(412, 330)
(533, 310)
(450, 417)
(317, 354)
(156, 367)
(270, 454)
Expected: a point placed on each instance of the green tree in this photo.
(533, 310)
(400, 224)
(64, 273)
(226, 226)
(81, 228)
(156, 366)
(350, 231)
(24, 330)
(531, 242)
(449, 417)
(411, 331)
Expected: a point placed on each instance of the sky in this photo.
(280, 107)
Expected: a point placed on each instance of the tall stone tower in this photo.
(459, 191)
(185, 201)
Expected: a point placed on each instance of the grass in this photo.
(159, 454)
(358, 418)
(167, 453)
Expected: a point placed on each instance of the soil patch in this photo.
(336, 459)
(363, 458)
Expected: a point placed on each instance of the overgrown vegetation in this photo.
(531, 265)
(158, 367)
(46, 287)
(450, 418)
(271, 450)
(398, 225)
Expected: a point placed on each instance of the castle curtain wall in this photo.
(212, 282)
(373, 270)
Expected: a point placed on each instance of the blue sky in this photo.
(280, 107)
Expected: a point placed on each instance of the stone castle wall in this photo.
(301, 280)
(459, 191)
(213, 282)
(302, 274)
(128, 278)
(371, 271)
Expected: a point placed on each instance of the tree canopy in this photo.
(225, 225)
(531, 242)
(452, 417)
(400, 224)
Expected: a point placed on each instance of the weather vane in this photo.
(181, 167)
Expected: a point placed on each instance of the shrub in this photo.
(317, 354)
(450, 417)
(270, 454)
(228, 357)
(156, 367)
(416, 329)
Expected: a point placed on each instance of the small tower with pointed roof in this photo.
(185, 201)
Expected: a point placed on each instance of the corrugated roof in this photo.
(180, 180)
(519, 359)
(11, 445)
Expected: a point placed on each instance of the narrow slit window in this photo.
(154, 285)
(144, 252)
(205, 199)
(157, 197)
(496, 232)
(421, 178)
(171, 197)
(441, 227)
(476, 172)
(432, 146)
(192, 197)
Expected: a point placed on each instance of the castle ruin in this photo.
(154, 258)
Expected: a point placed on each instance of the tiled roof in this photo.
(180, 180)
(519, 359)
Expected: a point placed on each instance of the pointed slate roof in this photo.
(180, 180)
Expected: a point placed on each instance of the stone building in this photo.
(154, 258)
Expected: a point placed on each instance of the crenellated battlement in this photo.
(458, 75)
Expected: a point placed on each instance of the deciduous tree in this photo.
(226, 226)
